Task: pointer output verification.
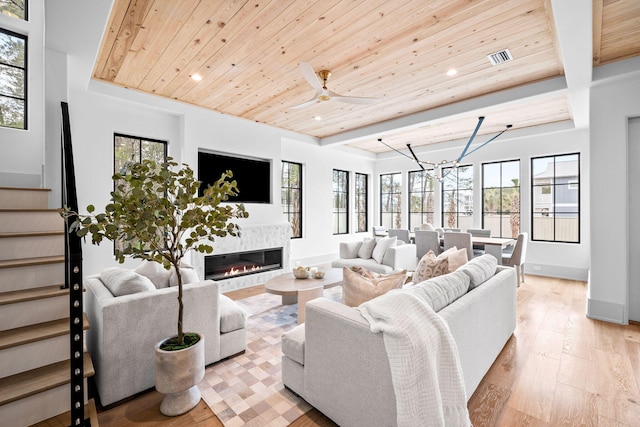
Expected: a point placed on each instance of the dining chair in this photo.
(427, 226)
(379, 230)
(401, 233)
(517, 257)
(478, 249)
(425, 241)
(459, 240)
(448, 229)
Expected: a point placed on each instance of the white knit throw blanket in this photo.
(423, 357)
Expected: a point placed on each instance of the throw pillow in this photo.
(364, 272)
(456, 257)
(441, 291)
(188, 273)
(357, 289)
(122, 281)
(480, 269)
(430, 266)
(158, 275)
(366, 249)
(381, 247)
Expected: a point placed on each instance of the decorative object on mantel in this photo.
(156, 215)
(434, 170)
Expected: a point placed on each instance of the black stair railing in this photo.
(73, 278)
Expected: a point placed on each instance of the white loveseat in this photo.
(124, 330)
(340, 367)
(393, 257)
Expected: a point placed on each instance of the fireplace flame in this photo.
(235, 271)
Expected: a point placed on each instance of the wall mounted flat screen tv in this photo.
(252, 175)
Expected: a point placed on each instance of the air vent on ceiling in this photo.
(500, 57)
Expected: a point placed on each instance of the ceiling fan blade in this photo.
(354, 99)
(305, 104)
(310, 76)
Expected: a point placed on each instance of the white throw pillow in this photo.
(480, 269)
(366, 249)
(381, 247)
(441, 291)
(189, 275)
(158, 275)
(122, 281)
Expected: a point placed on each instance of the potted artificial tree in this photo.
(155, 214)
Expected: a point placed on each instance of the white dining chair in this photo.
(401, 234)
(425, 241)
(517, 257)
(459, 240)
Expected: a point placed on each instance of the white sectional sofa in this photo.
(124, 330)
(397, 256)
(340, 367)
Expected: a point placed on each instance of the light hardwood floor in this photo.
(558, 369)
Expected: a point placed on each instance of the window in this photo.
(457, 197)
(421, 199)
(291, 194)
(555, 194)
(13, 88)
(362, 202)
(501, 198)
(14, 8)
(391, 200)
(340, 202)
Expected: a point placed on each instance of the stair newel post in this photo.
(73, 279)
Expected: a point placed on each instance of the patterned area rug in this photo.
(247, 390)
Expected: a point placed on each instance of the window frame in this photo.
(571, 184)
(25, 71)
(361, 209)
(502, 211)
(443, 190)
(288, 190)
(340, 189)
(425, 215)
(392, 194)
(26, 12)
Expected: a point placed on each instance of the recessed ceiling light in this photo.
(452, 72)
(196, 77)
(317, 118)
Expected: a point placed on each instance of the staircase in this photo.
(34, 311)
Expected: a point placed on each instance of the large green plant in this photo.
(156, 214)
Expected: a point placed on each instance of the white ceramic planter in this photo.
(177, 376)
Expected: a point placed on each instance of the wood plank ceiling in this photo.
(247, 53)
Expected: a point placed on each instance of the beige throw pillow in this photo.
(430, 266)
(357, 289)
(456, 257)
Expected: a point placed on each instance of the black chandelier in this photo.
(436, 170)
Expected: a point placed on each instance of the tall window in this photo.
(457, 197)
(555, 194)
(14, 8)
(391, 200)
(291, 191)
(362, 202)
(421, 199)
(340, 202)
(13, 73)
(133, 149)
(501, 198)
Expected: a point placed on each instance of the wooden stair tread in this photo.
(38, 332)
(32, 294)
(64, 419)
(30, 262)
(32, 234)
(25, 384)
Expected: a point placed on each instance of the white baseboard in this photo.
(557, 271)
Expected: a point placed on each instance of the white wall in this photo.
(543, 258)
(634, 225)
(23, 150)
(613, 102)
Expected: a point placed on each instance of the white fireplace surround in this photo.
(253, 237)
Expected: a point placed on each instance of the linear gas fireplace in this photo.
(236, 264)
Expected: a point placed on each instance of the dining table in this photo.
(493, 245)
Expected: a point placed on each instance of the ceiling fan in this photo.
(324, 94)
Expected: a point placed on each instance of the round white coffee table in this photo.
(300, 291)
